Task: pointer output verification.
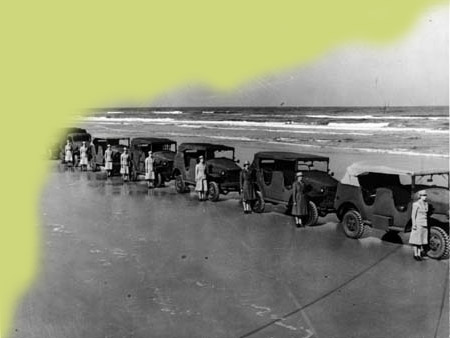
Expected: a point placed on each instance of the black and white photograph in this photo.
(311, 202)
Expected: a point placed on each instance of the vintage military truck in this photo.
(275, 175)
(221, 169)
(59, 141)
(98, 147)
(163, 150)
(76, 136)
(381, 197)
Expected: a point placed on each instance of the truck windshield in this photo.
(312, 165)
(222, 154)
(81, 137)
(436, 180)
(161, 147)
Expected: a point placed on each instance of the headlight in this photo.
(164, 163)
(223, 173)
(322, 190)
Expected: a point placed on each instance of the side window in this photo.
(124, 142)
(370, 182)
(190, 155)
(166, 147)
(267, 167)
(288, 170)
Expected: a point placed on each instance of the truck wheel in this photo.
(313, 215)
(180, 187)
(159, 181)
(133, 174)
(353, 224)
(438, 244)
(213, 191)
(259, 204)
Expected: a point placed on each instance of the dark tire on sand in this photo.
(353, 224)
(438, 244)
(213, 191)
(259, 204)
(180, 187)
(313, 214)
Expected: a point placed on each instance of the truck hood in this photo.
(222, 164)
(320, 178)
(167, 156)
(439, 199)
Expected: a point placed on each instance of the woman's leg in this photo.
(247, 205)
(416, 252)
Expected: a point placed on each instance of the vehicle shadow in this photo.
(389, 236)
(392, 237)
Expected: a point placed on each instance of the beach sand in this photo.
(119, 260)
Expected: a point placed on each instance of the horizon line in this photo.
(261, 107)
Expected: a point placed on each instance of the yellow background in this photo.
(60, 57)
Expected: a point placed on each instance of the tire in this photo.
(438, 243)
(159, 182)
(93, 166)
(180, 186)
(133, 174)
(313, 214)
(353, 224)
(259, 204)
(213, 191)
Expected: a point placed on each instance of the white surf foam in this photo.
(375, 117)
(345, 133)
(374, 127)
(350, 149)
(175, 112)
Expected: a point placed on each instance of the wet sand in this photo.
(119, 260)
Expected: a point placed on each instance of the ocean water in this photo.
(421, 131)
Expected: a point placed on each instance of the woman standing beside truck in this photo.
(201, 185)
(247, 187)
(125, 164)
(150, 170)
(68, 155)
(300, 203)
(419, 230)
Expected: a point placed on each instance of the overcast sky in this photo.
(413, 70)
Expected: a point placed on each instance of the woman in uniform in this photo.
(83, 156)
(419, 219)
(150, 170)
(247, 188)
(300, 203)
(125, 164)
(201, 185)
(68, 154)
(108, 160)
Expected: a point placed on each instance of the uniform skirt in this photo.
(124, 170)
(83, 159)
(68, 157)
(201, 185)
(108, 165)
(150, 175)
(248, 192)
(419, 236)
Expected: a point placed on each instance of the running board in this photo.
(395, 228)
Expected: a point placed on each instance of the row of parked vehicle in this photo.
(367, 196)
